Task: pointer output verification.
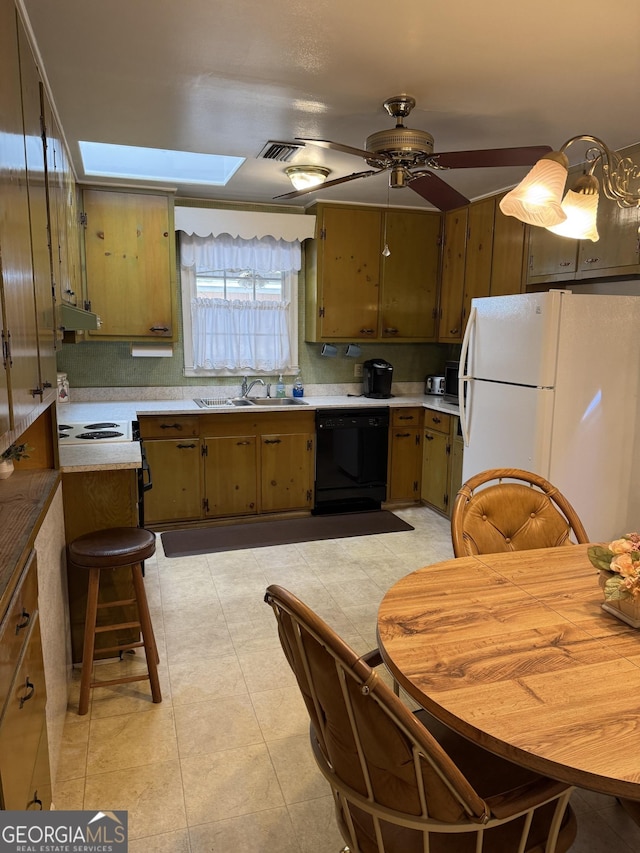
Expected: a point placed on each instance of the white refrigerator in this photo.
(549, 382)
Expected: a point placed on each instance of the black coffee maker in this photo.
(377, 375)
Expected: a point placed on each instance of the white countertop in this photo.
(116, 455)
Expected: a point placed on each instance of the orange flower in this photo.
(624, 565)
(621, 546)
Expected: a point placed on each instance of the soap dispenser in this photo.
(280, 389)
(298, 387)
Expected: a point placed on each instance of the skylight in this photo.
(157, 164)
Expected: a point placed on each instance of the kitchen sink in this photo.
(277, 401)
(219, 402)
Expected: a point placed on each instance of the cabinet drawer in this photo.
(411, 416)
(169, 426)
(437, 420)
(16, 625)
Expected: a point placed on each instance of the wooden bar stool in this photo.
(106, 550)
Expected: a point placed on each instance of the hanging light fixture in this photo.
(536, 199)
(304, 177)
(580, 205)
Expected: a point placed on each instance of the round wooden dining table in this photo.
(514, 652)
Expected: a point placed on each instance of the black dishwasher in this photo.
(351, 459)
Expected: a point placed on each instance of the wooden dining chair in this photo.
(508, 509)
(403, 782)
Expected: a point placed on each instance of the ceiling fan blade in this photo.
(434, 189)
(485, 158)
(382, 159)
(333, 183)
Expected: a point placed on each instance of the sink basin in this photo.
(277, 401)
(219, 402)
(241, 401)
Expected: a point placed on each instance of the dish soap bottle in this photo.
(298, 387)
(280, 389)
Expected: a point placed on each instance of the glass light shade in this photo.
(582, 210)
(537, 198)
(305, 177)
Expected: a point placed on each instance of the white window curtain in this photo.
(232, 336)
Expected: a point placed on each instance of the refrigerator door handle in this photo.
(463, 376)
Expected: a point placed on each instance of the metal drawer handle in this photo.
(405, 417)
(30, 691)
(242, 443)
(436, 420)
(591, 260)
(390, 331)
(403, 435)
(185, 446)
(454, 331)
(170, 426)
(429, 437)
(367, 331)
(26, 617)
(565, 263)
(159, 329)
(273, 441)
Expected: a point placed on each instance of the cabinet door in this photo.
(455, 477)
(128, 264)
(404, 466)
(349, 273)
(231, 476)
(507, 263)
(410, 276)
(551, 257)
(177, 482)
(435, 469)
(453, 264)
(19, 327)
(38, 213)
(617, 250)
(286, 471)
(478, 256)
(24, 754)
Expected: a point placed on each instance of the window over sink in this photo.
(239, 300)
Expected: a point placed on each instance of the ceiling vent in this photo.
(282, 151)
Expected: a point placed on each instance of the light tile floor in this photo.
(223, 763)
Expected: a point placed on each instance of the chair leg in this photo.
(89, 640)
(148, 637)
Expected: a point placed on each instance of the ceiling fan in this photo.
(409, 158)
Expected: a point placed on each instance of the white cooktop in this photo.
(93, 432)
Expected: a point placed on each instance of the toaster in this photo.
(434, 385)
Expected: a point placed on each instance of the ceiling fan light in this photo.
(581, 206)
(304, 177)
(537, 198)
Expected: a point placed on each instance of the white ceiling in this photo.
(227, 76)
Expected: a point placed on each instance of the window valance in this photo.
(234, 253)
(204, 221)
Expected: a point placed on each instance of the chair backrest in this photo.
(395, 788)
(515, 510)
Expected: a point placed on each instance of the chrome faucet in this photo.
(247, 386)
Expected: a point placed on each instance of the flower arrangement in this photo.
(15, 452)
(620, 563)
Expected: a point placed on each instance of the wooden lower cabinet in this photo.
(228, 465)
(231, 474)
(25, 779)
(441, 461)
(176, 472)
(405, 455)
(286, 471)
(95, 500)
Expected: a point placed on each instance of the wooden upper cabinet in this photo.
(38, 212)
(617, 252)
(19, 332)
(508, 259)
(129, 256)
(453, 266)
(354, 292)
(550, 257)
(347, 264)
(477, 272)
(410, 275)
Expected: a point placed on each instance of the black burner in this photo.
(63, 435)
(100, 433)
(100, 426)
(63, 427)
